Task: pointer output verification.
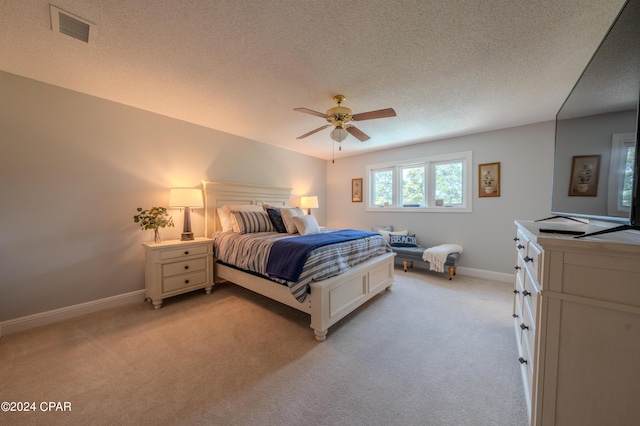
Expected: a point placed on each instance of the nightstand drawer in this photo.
(183, 252)
(184, 281)
(190, 265)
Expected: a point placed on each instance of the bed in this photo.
(327, 301)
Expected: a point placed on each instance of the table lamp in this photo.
(187, 199)
(309, 202)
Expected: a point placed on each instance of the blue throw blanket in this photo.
(287, 256)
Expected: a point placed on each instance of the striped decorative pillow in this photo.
(249, 222)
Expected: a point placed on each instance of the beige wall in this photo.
(73, 169)
(526, 161)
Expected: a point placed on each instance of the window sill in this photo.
(419, 209)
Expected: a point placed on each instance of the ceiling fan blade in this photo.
(354, 131)
(313, 131)
(312, 112)
(381, 113)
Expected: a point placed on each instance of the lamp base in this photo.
(187, 234)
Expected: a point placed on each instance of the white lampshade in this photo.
(185, 197)
(309, 202)
(339, 134)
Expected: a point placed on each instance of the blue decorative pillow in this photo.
(403, 240)
(276, 219)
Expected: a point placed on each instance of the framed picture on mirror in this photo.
(585, 170)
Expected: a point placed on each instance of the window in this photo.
(627, 182)
(621, 173)
(424, 184)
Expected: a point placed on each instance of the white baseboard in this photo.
(49, 317)
(489, 275)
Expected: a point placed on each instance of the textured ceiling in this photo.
(448, 68)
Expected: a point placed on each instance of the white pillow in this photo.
(287, 217)
(387, 234)
(306, 225)
(228, 221)
(225, 220)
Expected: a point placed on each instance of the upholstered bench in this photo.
(408, 255)
(407, 251)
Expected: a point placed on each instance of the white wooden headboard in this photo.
(218, 194)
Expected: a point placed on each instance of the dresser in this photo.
(175, 267)
(576, 316)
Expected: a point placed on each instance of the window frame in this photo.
(620, 142)
(397, 167)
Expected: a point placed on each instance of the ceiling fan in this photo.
(341, 117)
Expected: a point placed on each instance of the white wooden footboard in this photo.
(330, 300)
(335, 298)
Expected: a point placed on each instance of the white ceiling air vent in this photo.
(73, 26)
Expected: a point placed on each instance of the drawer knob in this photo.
(517, 268)
(516, 239)
(186, 266)
(524, 326)
(522, 360)
(520, 246)
(516, 291)
(515, 315)
(186, 281)
(528, 259)
(526, 293)
(186, 252)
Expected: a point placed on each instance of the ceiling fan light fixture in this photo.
(339, 134)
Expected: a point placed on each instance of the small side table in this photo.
(174, 267)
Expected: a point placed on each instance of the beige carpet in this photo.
(430, 352)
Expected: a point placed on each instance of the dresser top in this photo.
(628, 240)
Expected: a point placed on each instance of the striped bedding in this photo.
(251, 251)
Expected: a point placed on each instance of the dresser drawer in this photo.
(183, 252)
(520, 267)
(189, 265)
(518, 295)
(527, 354)
(532, 261)
(531, 292)
(184, 281)
(521, 243)
(528, 334)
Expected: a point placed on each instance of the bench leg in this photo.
(407, 264)
(452, 271)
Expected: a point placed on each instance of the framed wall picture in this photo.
(585, 170)
(356, 190)
(489, 180)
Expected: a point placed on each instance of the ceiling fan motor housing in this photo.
(339, 115)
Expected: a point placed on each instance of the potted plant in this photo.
(154, 218)
(487, 180)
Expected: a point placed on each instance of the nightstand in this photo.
(174, 267)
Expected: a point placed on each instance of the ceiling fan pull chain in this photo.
(333, 153)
